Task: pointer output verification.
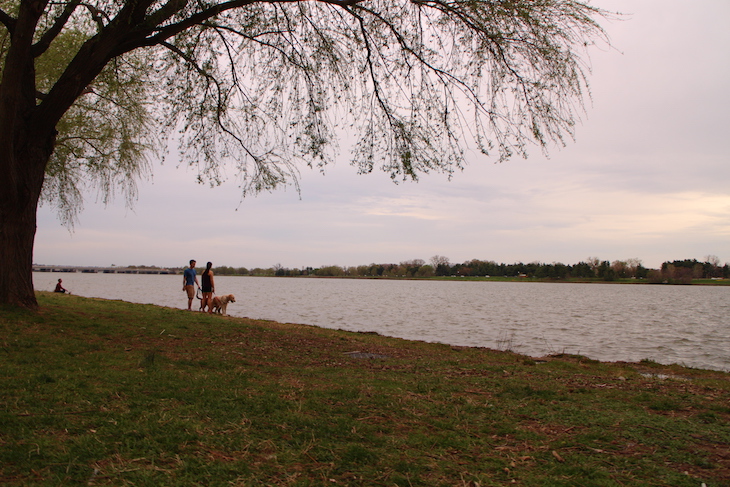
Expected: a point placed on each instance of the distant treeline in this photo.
(675, 272)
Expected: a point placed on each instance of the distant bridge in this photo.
(103, 270)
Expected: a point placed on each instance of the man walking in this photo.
(190, 280)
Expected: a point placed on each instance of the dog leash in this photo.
(199, 294)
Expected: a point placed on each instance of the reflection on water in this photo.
(688, 325)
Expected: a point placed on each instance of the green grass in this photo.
(96, 392)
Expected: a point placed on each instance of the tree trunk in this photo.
(24, 168)
(28, 134)
(26, 144)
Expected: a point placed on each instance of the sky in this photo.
(647, 177)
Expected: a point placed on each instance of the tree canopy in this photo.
(264, 86)
(104, 139)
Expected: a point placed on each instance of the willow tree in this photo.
(264, 86)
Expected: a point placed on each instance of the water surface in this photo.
(689, 325)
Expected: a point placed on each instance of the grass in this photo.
(97, 392)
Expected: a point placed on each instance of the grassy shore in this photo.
(97, 392)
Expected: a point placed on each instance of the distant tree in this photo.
(425, 271)
(555, 270)
(686, 263)
(542, 271)
(698, 271)
(619, 268)
(443, 270)
(594, 262)
(361, 270)
(513, 270)
(330, 271)
(377, 269)
(411, 266)
(582, 269)
(258, 271)
(655, 276)
(561, 270)
(712, 266)
(605, 271)
(693, 268)
(441, 265)
(394, 270)
(484, 268)
(530, 269)
(682, 275)
(462, 270)
(633, 267)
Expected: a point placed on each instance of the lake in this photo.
(688, 325)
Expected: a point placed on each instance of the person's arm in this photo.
(212, 281)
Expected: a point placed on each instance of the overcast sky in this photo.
(648, 177)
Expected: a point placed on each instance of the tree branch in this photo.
(220, 107)
(45, 41)
(342, 3)
(7, 21)
(96, 15)
(166, 32)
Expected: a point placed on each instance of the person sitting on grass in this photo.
(59, 288)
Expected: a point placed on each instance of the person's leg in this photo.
(191, 295)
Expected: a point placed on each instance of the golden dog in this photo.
(220, 303)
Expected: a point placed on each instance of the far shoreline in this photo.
(578, 280)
